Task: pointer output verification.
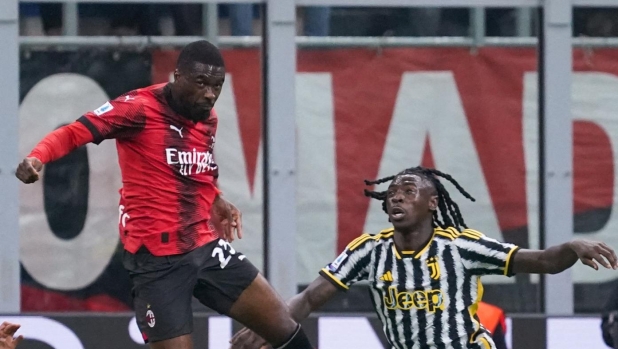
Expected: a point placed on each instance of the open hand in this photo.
(247, 339)
(592, 252)
(28, 170)
(230, 218)
(7, 331)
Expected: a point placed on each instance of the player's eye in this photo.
(200, 83)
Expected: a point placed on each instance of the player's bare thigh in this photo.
(262, 310)
(182, 342)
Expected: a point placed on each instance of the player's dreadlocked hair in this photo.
(451, 216)
(200, 51)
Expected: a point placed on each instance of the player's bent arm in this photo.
(313, 297)
(61, 142)
(556, 259)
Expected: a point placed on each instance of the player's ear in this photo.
(433, 202)
(176, 75)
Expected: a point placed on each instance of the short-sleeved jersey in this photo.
(427, 298)
(168, 171)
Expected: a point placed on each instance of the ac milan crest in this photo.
(150, 318)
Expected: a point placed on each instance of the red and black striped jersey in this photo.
(168, 170)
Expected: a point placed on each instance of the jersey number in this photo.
(220, 252)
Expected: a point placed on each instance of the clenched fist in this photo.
(28, 170)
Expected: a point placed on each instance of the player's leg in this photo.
(182, 342)
(262, 310)
(162, 289)
(229, 284)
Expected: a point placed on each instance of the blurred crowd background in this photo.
(245, 19)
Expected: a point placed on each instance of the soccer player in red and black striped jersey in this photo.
(165, 135)
(424, 272)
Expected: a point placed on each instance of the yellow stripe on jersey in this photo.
(448, 231)
(508, 260)
(474, 308)
(359, 241)
(485, 343)
(424, 249)
(355, 240)
(474, 232)
(471, 236)
(386, 231)
(352, 245)
(396, 252)
(383, 235)
(454, 231)
(445, 234)
(335, 279)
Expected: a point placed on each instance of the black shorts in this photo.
(163, 286)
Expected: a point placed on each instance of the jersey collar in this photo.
(399, 254)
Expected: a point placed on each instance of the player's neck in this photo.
(413, 238)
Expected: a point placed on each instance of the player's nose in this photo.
(209, 94)
(397, 197)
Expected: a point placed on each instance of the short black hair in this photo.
(448, 208)
(200, 51)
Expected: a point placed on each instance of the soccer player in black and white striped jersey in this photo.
(425, 272)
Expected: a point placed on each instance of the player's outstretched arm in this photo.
(313, 297)
(559, 258)
(54, 146)
(7, 331)
(301, 305)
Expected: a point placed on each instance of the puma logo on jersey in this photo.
(179, 130)
(434, 267)
(387, 277)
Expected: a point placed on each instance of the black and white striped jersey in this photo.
(426, 299)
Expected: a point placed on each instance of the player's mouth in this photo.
(203, 105)
(397, 213)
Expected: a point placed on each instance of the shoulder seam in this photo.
(476, 232)
(384, 234)
(389, 230)
(443, 234)
(363, 239)
(358, 241)
(472, 234)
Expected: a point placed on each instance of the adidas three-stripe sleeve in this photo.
(353, 264)
(482, 255)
